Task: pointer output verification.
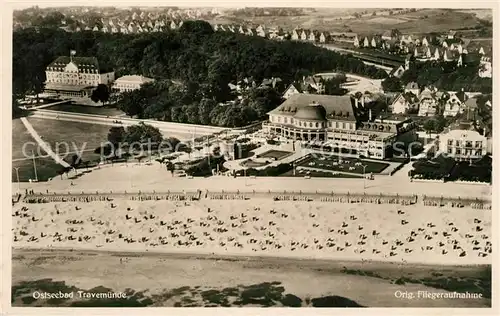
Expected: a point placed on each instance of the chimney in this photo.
(370, 115)
(356, 102)
(363, 101)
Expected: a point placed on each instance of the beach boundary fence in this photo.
(276, 195)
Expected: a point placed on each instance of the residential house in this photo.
(485, 67)
(312, 84)
(96, 28)
(323, 37)
(291, 90)
(437, 54)
(451, 34)
(312, 36)
(241, 30)
(250, 32)
(425, 42)
(114, 29)
(403, 103)
(413, 88)
(356, 41)
(296, 35)
(387, 36)
(454, 104)
(105, 29)
(304, 36)
(173, 25)
(427, 103)
(397, 71)
(366, 43)
(261, 32)
(463, 144)
(373, 42)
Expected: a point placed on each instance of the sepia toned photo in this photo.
(205, 156)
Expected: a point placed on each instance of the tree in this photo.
(395, 33)
(142, 133)
(116, 136)
(100, 94)
(429, 126)
(392, 84)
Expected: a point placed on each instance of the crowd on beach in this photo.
(394, 230)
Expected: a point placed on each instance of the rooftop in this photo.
(340, 107)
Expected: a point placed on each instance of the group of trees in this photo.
(193, 54)
(168, 101)
(443, 75)
(139, 134)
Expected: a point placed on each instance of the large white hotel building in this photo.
(70, 76)
(340, 122)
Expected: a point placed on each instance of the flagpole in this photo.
(34, 165)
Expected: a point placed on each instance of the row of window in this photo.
(126, 86)
(65, 74)
(466, 152)
(468, 143)
(73, 81)
(290, 120)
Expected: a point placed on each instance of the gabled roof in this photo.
(412, 85)
(387, 34)
(294, 85)
(82, 63)
(471, 103)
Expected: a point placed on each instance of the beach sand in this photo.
(316, 230)
(178, 280)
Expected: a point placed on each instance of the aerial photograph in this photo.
(251, 157)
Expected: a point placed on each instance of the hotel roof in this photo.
(336, 107)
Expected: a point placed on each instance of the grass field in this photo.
(78, 136)
(421, 21)
(275, 154)
(75, 108)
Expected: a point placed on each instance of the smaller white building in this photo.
(130, 83)
(462, 144)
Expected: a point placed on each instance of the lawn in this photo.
(275, 154)
(85, 109)
(419, 22)
(76, 135)
(350, 165)
(249, 163)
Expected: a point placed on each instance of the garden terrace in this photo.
(479, 171)
(275, 154)
(339, 164)
(435, 169)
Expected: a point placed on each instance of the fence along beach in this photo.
(335, 225)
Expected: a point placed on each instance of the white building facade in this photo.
(129, 83)
(463, 144)
(75, 76)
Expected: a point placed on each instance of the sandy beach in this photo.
(263, 227)
(194, 280)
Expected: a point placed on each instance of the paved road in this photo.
(42, 144)
(168, 128)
